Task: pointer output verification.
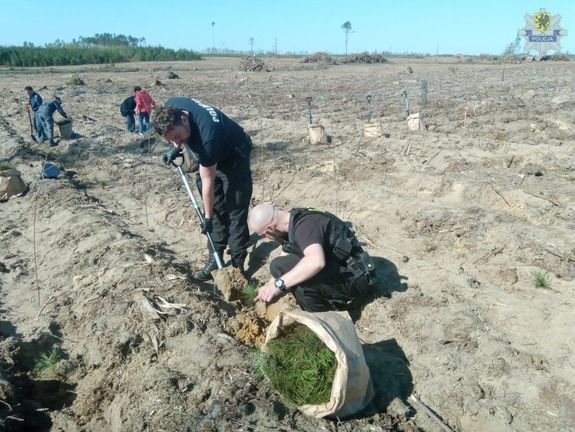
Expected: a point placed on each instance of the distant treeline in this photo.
(100, 48)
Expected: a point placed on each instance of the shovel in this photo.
(200, 215)
(31, 129)
(308, 100)
(369, 113)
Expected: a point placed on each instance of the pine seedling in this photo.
(540, 280)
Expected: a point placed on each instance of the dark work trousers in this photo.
(330, 289)
(130, 122)
(232, 195)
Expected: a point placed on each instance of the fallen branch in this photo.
(431, 413)
(544, 199)
(502, 197)
(52, 298)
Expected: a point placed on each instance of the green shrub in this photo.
(75, 81)
(299, 367)
(5, 166)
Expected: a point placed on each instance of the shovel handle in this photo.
(199, 214)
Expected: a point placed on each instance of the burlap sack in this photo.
(414, 122)
(317, 134)
(372, 130)
(11, 184)
(352, 389)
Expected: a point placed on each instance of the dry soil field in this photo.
(471, 223)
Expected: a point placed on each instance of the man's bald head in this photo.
(261, 216)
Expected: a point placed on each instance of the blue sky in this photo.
(299, 26)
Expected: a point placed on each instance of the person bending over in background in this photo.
(224, 177)
(46, 121)
(127, 109)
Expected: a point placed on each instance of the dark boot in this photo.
(238, 262)
(53, 143)
(205, 274)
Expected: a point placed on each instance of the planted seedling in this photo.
(249, 293)
(48, 362)
(540, 280)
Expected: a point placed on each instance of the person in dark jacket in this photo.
(224, 177)
(46, 120)
(323, 264)
(127, 110)
(34, 102)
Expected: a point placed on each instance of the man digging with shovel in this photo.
(224, 177)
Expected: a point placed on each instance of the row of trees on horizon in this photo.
(100, 48)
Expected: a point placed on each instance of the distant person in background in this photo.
(127, 110)
(34, 102)
(46, 120)
(144, 105)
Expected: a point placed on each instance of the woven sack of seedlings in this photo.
(372, 130)
(351, 389)
(11, 184)
(317, 134)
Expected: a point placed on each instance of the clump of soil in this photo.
(248, 328)
(231, 282)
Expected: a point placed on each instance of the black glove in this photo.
(207, 226)
(172, 155)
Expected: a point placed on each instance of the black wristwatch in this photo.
(280, 284)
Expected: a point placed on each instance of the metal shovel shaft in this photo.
(200, 215)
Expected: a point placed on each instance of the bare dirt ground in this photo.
(459, 219)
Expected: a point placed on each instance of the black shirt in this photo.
(315, 228)
(214, 137)
(128, 106)
(310, 229)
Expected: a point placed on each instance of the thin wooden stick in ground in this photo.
(146, 183)
(35, 257)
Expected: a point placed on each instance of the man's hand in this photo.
(268, 292)
(207, 226)
(171, 155)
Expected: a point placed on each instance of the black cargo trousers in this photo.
(333, 288)
(232, 196)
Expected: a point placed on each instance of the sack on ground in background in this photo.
(352, 388)
(317, 134)
(11, 184)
